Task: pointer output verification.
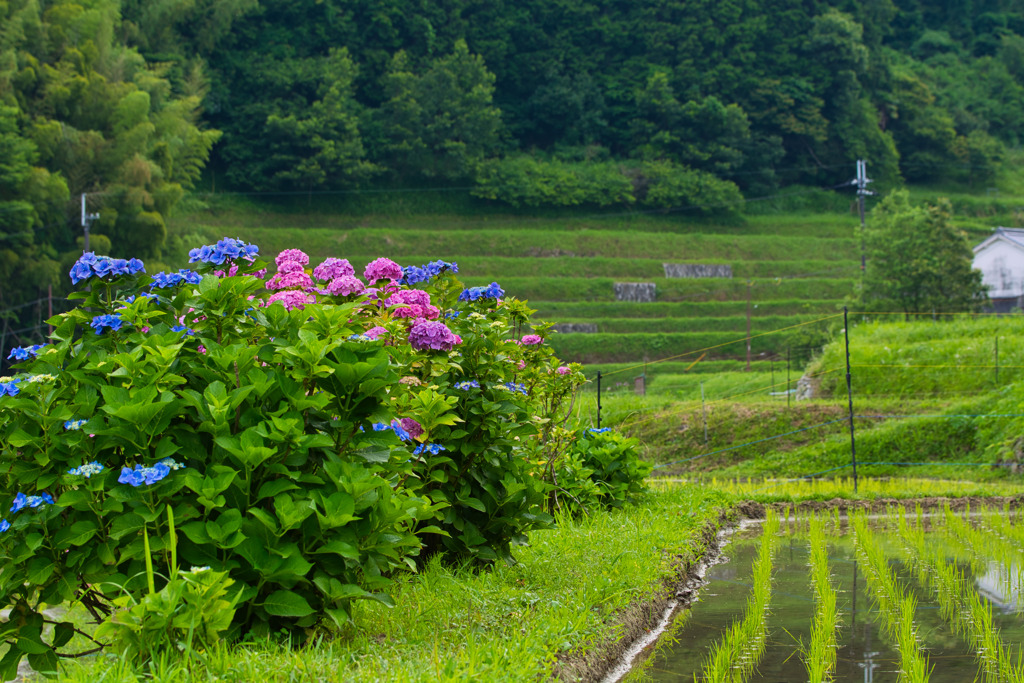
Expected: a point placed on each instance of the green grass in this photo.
(734, 324)
(868, 488)
(820, 654)
(487, 625)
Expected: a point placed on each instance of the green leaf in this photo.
(76, 534)
(287, 604)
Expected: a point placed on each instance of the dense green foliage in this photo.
(918, 260)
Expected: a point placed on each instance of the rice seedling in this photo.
(896, 605)
(962, 607)
(820, 655)
(735, 655)
(984, 546)
(767, 490)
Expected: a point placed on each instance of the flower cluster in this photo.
(21, 501)
(89, 264)
(162, 280)
(292, 256)
(292, 298)
(491, 291)
(26, 352)
(10, 387)
(375, 332)
(466, 386)
(87, 470)
(113, 321)
(515, 388)
(333, 268)
(602, 430)
(345, 285)
(382, 269)
(428, 448)
(148, 475)
(182, 328)
(531, 340)
(412, 275)
(224, 250)
(414, 428)
(432, 335)
(74, 425)
(563, 370)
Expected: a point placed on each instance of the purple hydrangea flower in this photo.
(412, 427)
(332, 268)
(382, 269)
(292, 298)
(375, 332)
(345, 285)
(432, 335)
(296, 255)
(409, 296)
(531, 339)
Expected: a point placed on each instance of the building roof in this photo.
(1013, 235)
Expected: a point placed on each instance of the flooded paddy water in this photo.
(951, 573)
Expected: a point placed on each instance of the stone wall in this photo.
(694, 270)
(590, 328)
(642, 292)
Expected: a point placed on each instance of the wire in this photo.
(937, 415)
(717, 346)
(946, 367)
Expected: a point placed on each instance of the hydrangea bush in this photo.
(309, 433)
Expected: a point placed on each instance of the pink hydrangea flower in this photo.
(298, 280)
(521, 364)
(296, 255)
(531, 339)
(292, 298)
(332, 268)
(375, 332)
(411, 311)
(433, 335)
(345, 285)
(410, 425)
(290, 267)
(563, 370)
(382, 269)
(409, 296)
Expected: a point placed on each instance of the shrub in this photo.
(309, 433)
(599, 468)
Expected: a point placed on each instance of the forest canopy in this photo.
(651, 103)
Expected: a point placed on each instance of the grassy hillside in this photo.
(793, 258)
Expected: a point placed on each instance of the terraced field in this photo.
(790, 270)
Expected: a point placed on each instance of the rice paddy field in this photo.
(893, 597)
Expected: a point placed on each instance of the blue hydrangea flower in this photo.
(139, 475)
(412, 275)
(395, 426)
(516, 388)
(602, 430)
(227, 248)
(181, 328)
(163, 280)
(113, 321)
(434, 448)
(491, 291)
(87, 470)
(21, 501)
(74, 424)
(25, 352)
(89, 264)
(4, 525)
(10, 387)
(466, 386)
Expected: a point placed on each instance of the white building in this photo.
(1000, 258)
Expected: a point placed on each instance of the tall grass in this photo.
(961, 606)
(986, 546)
(896, 605)
(868, 488)
(820, 655)
(737, 653)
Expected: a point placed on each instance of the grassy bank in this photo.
(568, 593)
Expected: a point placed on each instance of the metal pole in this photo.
(861, 186)
(748, 325)
(85, 224)
(849, 394)
(788, 394)
(598, 399)
(704, 413)
(997, 360)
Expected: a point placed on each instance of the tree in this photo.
(440, 123)
(918, 261)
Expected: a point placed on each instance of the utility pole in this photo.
(862, 191)
(87, 218)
